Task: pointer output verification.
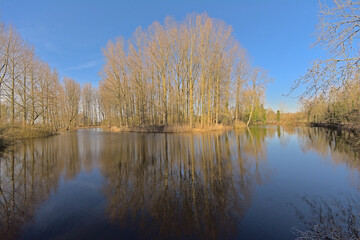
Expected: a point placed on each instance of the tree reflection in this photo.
(182, 186)
(29, 173)
(333, 147)
(329, 143)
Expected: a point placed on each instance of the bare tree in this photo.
(72, 100)
(332, 83)
(177, 73)
(257, 84)
(337, 33)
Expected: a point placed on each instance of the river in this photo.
(266, 182)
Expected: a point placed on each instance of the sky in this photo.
(70, 34)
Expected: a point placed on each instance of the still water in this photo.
(257, 183)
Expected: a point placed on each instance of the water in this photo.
(261, 183)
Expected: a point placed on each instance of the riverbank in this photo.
(10, 134)
(354, 129)
(287, 123)
(174, 128)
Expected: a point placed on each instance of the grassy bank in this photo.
(10, 134)
(174, 128)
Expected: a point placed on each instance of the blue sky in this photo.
(70, 34)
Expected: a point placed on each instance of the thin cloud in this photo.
(84, 66)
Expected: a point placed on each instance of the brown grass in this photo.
(173, 128)
(11, 133)
(287, 123)
(239, 124)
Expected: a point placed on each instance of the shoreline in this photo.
(354, 141)
(170, 129)
(10, 135)
(188, 129)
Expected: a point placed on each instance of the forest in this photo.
(185, 73)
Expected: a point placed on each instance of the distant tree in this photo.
(256, 85)
(72, 100)
(278, 115)
(87, 103)
(264, 117)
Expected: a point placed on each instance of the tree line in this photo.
(31, 90)
(184, 73)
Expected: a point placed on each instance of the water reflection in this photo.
(329, 218)
(156, 185)
(29, 173)
(180, 186)
(333, 148)
(328, 143)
